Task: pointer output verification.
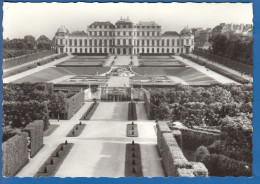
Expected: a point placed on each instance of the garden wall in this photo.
(226, 62)
(15, 154)
(174, 162)
(74, 104)
(35, 133)
(147, 103)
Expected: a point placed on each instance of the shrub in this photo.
(15, 154)
(199, 169)
(182, 172)
(200, 153)
(220, 165)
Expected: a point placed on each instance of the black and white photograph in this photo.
(127, 89)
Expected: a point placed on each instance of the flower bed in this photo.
(52, 164)
(88, 114)
(133, 164)
(132, 130)
(76, 130)
(132, 111)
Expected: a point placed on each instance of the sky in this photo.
(37, 19)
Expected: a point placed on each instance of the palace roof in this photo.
(100, 24)
(170, 33)
(78, 33)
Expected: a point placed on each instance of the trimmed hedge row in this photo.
(35, 133)
(173, 160)
(162, 128)
(132, 111)
(147, 103)
(227, 62)
(192, 139)
(175, 163)
(26, 59)
(217, 69)
(88, 114)
(15, 154)
(74, 103)
(19, 70)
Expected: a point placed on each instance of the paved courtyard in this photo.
(100, 149)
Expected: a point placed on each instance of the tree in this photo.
(58, 104)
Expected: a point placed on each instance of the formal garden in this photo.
(27, 108)
(217, 120)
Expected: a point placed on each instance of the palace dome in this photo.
(186, 31)
(62, 30)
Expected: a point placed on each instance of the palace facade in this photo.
(122, 38)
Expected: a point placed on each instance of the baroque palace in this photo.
(124, 38)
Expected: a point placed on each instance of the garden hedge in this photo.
(244, 68)
(15, 154)
(192, 139)
(26, 59)
(74, 103)
(35, 133)
(217, 69)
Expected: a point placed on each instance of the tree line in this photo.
(29, 42)
(232, 47)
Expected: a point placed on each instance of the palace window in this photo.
(100, 42)
(162, 42)
(168, 42)
(172, 42)
(80, 42)
(86, 42)
(70, 50)
(80, 50)
(158, 42)
(130, 42)
(70, 42)
(75, 42)
(148, 42)
(90, 42)
(76, 50)
(187, 41)
(142, 42)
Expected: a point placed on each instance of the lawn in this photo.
(45, 75)
(187, 74)
(86, 70)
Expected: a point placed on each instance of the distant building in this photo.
(201, 38)
(244, 31)
(123, 37)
